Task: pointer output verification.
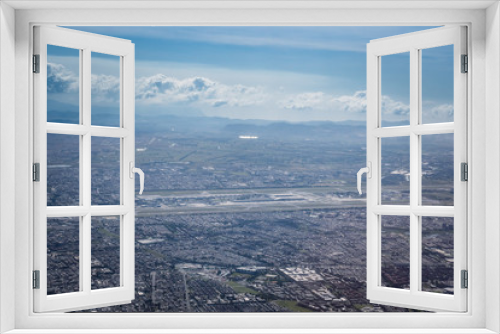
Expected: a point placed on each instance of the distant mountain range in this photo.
(353, 132)
(233, 128)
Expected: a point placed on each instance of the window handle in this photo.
(139, 171)
(368, 171)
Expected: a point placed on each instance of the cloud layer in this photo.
(163, 89)
(105, 88)
(201, 93)
(355, 103)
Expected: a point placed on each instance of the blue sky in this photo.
(278, 73)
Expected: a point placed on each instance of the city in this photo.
(251, 218)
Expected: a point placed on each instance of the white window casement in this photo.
(416, 133)
(85, 133)
(477, 235)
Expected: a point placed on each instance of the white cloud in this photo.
(105, 88)
(309, 100)
(437, 113)
(355, 103)
(395, 108)
(199, 92)
(160, 88)
(60, 79)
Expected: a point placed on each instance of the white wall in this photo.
(492, 164)
(7, 161)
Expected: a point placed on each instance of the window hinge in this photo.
(36, 279)
(465, 64)
(465, 279)
(464, 171)
(36, 172)
(36, 63)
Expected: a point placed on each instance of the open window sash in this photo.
(84, 296)
(413, 296)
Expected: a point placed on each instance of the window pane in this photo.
(63, 170)
(63, 85)
(105, 90)
(395, 252)
(63, 255)
(105, 252)
(437, 254)
(395, 89)
(395, 170)
(437, 169)
(105, 171)
(437, 84)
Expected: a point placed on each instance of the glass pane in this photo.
(395, 170)
(437, 254)
(63, 255)
(105, 171)
(395, 89)
(395, 251)
(437, 84)
(63, 170)
(63, 85)
(105, 90)
(105, 252)
(437, 169)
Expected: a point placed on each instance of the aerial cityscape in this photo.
(256, 225)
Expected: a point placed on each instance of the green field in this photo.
(291, 305)
(238, 288)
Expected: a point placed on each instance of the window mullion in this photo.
(86, 120)
(415, 253)
(81, 164)
(85, 180)
(127, 113)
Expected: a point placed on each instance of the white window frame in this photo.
(483, 211)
